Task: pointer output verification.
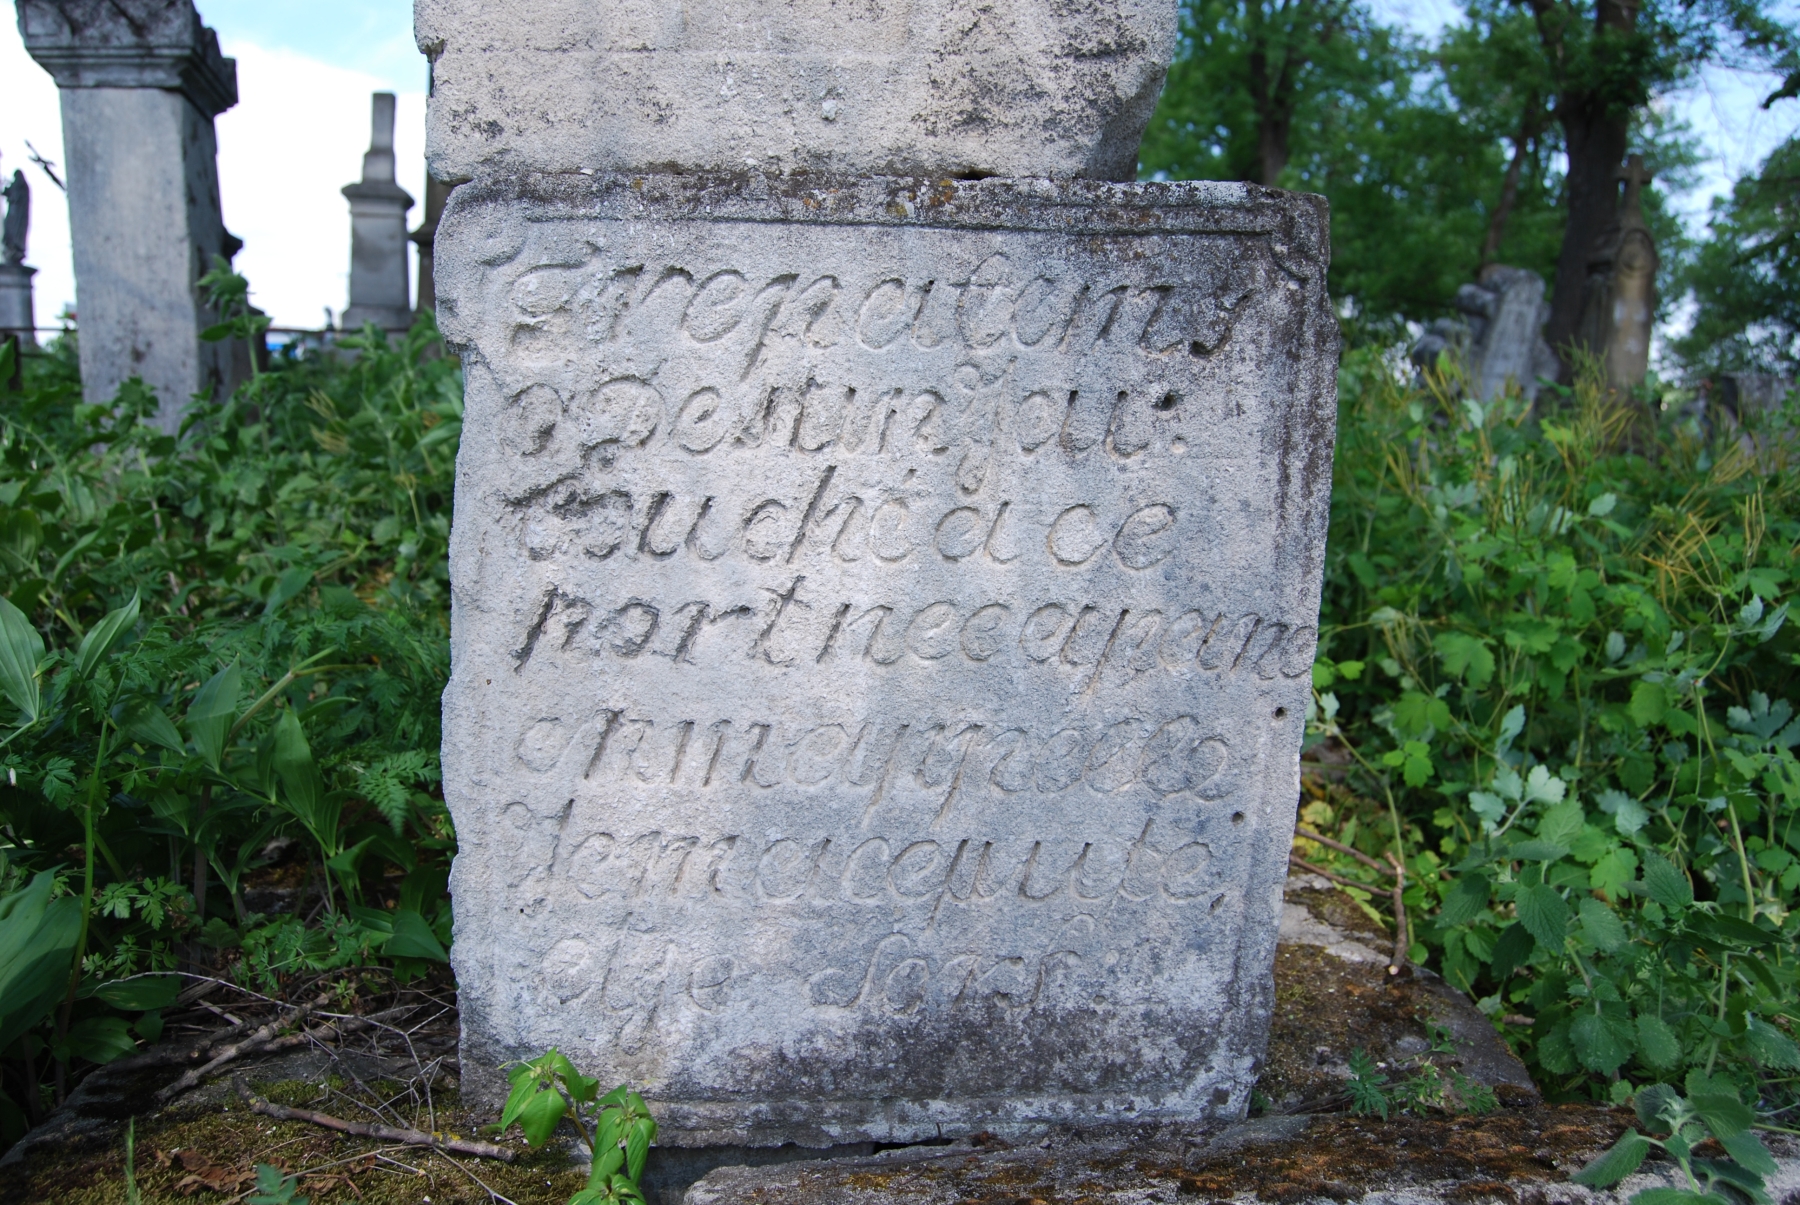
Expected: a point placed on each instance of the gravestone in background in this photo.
(18, 316)
(882, 619)
(380, 284)
(1500, 335)
(141, 81)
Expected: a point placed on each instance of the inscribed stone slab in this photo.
(881, 633)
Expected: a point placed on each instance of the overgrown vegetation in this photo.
(1559, 680)
(213, 645)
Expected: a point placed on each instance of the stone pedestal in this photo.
(18, 316)
(882, 628)
(141, 82)
(380, 284)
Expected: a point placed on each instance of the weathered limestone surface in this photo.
(141, 81)
(857, 87)
(881, 631)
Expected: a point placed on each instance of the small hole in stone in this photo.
(1169, 402)
(1281, 713)
(1236, 818)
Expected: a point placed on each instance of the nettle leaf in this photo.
(1657, 1044)
(1601, 925)
(1624, 1158)
(1750, 1153)
(1599, 1044)
(1467, 657)
(1676, 1196)
(1467, 898)
(1770, 1046)
(1665, 884)
(1723, 1115)
(1544, 914)
(1562, 823)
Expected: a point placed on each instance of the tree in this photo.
(1745, 277)
(1599, 62)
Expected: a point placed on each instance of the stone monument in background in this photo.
(1620, 308)
(437, 192)
(380, 284)
(883, 605)
(141, 81)
(18, 315)
(1500, 335)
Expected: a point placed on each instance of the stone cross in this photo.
(141, 81)
(1620, 307)
(380, 284)
(884, 606)
(18, 314)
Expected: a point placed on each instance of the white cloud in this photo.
(295, 138)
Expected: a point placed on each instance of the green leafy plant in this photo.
(1557, 669)
(1676, 1125)
(617, 1129)
(273, 1187)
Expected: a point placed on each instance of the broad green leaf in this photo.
(105, 636)
(302, 789)
(1541, 786)
(1648, 703)
(211, 712)
(1749, 1152)
(1466, 900)
(525, 1086)
(99, 1039)
(1771, 1047)
(1544, 914)
(1723, 1114)
(1511, 950)
(1537, 851)
(37, 944)
(1665, 884)
(1466, 656)
(1614, 871)
(1562, 823)
(1599, 1046)
(637, 1149)
(144, 722)
(140, 993)
(609, 1160)
(1654, 1104)
(1676, 1196)
(287, 586)
(1623, 1159)
(1601, 925)
(539, 1116)
(21, 649)
(413, 938)
(1657, 1044)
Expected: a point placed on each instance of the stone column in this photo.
(141, 82)
(437, 192)
(380, 285)
(884, 605)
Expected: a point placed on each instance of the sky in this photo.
(306, 69)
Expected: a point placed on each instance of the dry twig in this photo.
(461, 1146)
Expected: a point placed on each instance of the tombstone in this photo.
(380, 284)
(1500, 335)
(883, 617)
(141, 81)
(437, 192)
(1620, 307)
(18, 315)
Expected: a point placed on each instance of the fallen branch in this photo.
(361, 1129)
(257, 1041)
